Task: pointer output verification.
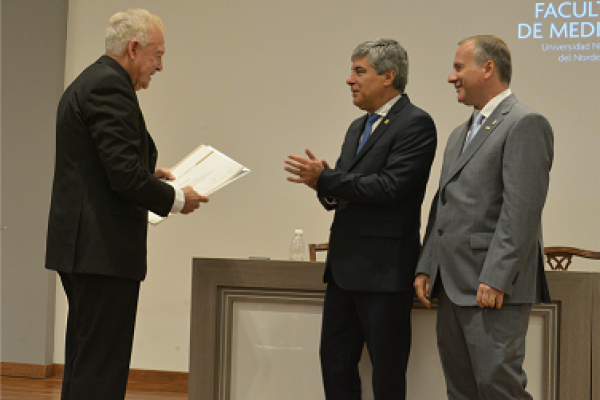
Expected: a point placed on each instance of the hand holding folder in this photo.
(206, 170)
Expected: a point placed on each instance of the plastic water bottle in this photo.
(297, 246)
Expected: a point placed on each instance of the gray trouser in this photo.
(482, 350)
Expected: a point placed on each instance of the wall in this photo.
(33, 59)
(262, 79)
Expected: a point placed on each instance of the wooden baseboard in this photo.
(36, 371)
(171, 381)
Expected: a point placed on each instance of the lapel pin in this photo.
(494, 123)
(386, 121)
(487, 127)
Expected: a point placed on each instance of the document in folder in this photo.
(206, 170)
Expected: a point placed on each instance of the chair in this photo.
(559, 258)
(313, 248)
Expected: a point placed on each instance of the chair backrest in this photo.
(559, 258)
(313, 248)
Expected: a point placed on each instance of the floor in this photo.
(49, 389)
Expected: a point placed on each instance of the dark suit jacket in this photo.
(485, 222)
(374, 243)
(103, 181)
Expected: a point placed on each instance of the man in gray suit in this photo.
(483, 253)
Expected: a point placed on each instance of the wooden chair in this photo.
(313, 248)
(559, 258)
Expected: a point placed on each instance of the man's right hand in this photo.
(422, 288)
(192, 200)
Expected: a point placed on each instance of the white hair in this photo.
(126, 26)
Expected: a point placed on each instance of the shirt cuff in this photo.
(179, 201)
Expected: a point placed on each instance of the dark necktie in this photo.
(367, 132)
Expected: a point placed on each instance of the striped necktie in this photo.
(477, 121)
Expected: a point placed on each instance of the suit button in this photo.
(443, 198)
(440, 232)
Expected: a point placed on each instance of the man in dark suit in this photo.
(376, 190)
(105, 182)
(483, 251)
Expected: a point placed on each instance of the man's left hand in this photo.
(489, 297)
(164, 173)
(307, 170)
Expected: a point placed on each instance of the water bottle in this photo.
(297, 246)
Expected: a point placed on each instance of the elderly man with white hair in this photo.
(105, 182)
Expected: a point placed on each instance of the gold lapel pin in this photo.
(386, 121)
(493, 123)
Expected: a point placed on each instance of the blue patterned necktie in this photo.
(477, 121)
(367, 132)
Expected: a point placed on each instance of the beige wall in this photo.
(33, 63)
(265, 78)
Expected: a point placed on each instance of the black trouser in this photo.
(99, 338)
(379, 319)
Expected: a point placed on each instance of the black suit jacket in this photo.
(103, 180)
(374, 243)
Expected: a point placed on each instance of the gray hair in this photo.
(385, 55)
(489, 47)
(126, 26)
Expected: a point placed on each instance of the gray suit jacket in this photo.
(485, 221)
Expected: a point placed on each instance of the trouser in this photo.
(99, 337)
(351, 319)
(482, 350)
